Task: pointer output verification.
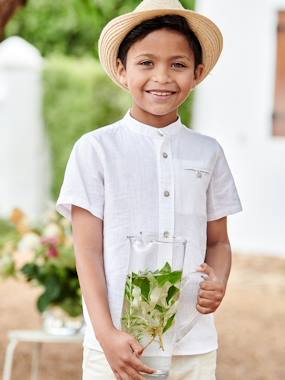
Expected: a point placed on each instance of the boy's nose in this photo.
(161, 75)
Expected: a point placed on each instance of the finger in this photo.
(140, 367)
(134, 375)
(210, 295)
(207, 300)
(204, 310)
(123, 375)
(211, 299)
(208, 303)
(117, 376)
(207, 306)
(212, 286)
(136, 348)
(205, 268)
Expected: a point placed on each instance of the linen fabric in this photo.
(195, 367)
(138, 178)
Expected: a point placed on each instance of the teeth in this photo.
(160, 93)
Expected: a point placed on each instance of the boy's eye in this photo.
(178, 65)
(146, 63)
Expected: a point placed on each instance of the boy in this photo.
(149, 173)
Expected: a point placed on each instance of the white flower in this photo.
(29, 242)
(172, 310)
(164, 294)
(52, 230)
(154, 296)
(159, 295)
(135, 303)
(136, 291)
(137, 297)
(154, 318)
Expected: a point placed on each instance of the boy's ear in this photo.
(198, 73)
(122, 73)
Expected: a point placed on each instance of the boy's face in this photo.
(160, 75)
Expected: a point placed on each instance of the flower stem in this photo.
(161, 342)
(149, 343)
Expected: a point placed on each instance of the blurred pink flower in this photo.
(53, 251)
(50, 240)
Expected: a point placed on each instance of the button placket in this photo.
(166, 189)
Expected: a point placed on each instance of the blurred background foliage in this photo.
(69, 27)
(78, 96)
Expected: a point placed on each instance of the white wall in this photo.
(24, 164)
(235, 105)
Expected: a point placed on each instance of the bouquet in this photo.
(150, 304)
(42, 254)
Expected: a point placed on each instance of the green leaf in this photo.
(175, 277)
(172, 292)
(172, 277)
(166, 268)
(30, 271)
(72, 307)
(169, 323)
(160, 308)
(144, 284)
(53, 288)
(43, 302)
(50, 295)
(128, 289)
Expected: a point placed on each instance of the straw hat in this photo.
(115, 31)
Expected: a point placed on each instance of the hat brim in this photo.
(116, 30)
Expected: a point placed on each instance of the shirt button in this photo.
(160, 133)
(165, 155)
(166, 234)
(166, 193)
(199, 174)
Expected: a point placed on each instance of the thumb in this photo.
(207, 269)
(136, 347)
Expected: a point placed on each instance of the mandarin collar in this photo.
(148, 130)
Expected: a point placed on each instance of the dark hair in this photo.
(172, 22)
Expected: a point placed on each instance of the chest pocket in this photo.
(191, 183)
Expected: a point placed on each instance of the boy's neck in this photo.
(154, 120)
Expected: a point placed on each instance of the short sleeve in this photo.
(222, 195)
(83, 183)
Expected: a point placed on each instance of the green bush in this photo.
(63, 27)
(78, 98)
(8, 232)
(70, 27)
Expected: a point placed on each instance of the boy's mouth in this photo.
(161, 93)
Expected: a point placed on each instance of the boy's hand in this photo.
(211, 292)
(122, 352)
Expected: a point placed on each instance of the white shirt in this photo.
(138, 178)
